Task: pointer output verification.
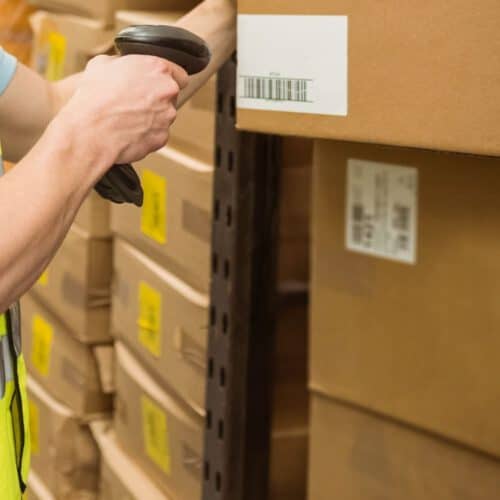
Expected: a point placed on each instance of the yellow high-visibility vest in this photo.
(14, 419)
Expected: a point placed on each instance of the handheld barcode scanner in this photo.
(121, 184)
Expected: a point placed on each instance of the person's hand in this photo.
(127, 104)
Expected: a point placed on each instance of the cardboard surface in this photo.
(76, 286)
(120, 477)
(182, 437)
(160, 434)
(104, 10)
(164, 323)
(416, 342)
(419, 74)
(169, 332)
(66, 368)
(358, 456)
(36, 489)
(63, 44)
(174, 225)
(64, 455)
(93, 216)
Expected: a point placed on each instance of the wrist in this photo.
(79, 133)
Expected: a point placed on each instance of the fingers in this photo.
(177, 73)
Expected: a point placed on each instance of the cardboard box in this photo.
(66, 368)
(160, 434)
(63, 454)
(36, 489)
(76, 286)
(104, 10)
(398, 74)
(120, 476)
(174, 224)
(164, 322)
(63, 44)
(166, 441)
(356, 455)
(93, 216)
(405, 323)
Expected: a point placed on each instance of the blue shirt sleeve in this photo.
(7, 69)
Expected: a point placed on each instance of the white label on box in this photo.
(381, 210)
(293, 63)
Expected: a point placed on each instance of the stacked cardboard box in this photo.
(404, 355)
(162, 265)
(160, 301)
(65, 317)
(68, 351)
(403, 324)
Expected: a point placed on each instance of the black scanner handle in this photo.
(121, 184)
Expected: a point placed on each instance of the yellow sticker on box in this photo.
(34, 428)
(155, 433)
(154, 209)
(57, 56)
(150, 318)
(42, 344)
(43, 280)
(3, 325)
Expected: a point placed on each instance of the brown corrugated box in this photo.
(357, 455)
(104, 10)
(66, 368)
(422, 75)
(417, 342)
(160, 434)
(163, 320)
(76, 286)
(165, 323)
(63, 44)
(174, 224)
(37, 490)
(144, 411)
(63, 454)
(93, 216)
(120, 477)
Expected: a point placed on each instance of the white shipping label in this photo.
(381, 211)
(293, 63)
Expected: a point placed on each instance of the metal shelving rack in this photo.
(241, 323)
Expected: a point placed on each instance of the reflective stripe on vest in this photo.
(14, 427)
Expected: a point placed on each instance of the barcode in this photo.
(277, 89)
(401, 218)
(402, 242)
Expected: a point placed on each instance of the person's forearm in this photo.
(215, 22)
(38, 201)
(19, 130)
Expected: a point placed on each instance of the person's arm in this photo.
(121, 111)
(27, 107)
(23, 120)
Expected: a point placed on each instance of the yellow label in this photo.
(57, 55)
(154, 209)
(43, 280)
(154, 424)
(42, 344)
(150, 318)
(34, 428)
(3, 325)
